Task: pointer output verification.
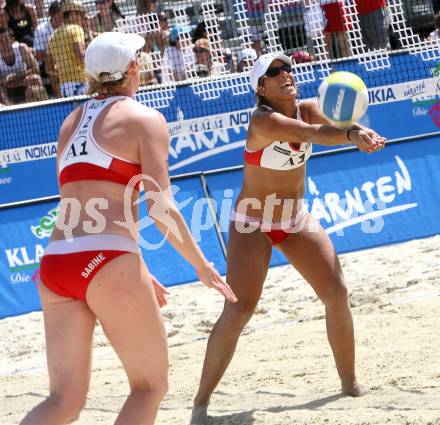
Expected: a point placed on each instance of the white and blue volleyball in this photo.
(343, 97)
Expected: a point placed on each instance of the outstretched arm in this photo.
(272, 125)
(153, 151)
(311, 108)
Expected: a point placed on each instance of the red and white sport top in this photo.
(280, 155)
(82, 157)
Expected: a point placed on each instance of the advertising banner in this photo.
(24, 235)
(25, 232)
(361, 200)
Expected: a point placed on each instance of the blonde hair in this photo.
(108, 87)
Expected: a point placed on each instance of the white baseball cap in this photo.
(246, 55)
(262, 65)
(112, 52)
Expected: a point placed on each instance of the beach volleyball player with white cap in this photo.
(270, 211)
(92, 268)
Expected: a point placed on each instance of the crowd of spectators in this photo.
(42, 52)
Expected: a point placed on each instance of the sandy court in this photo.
(283, 371)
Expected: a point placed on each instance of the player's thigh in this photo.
(69, 325)
(122, 297)
(312, 253)
(248, 260)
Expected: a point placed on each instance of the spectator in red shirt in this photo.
(335, 30)
(255, 8)
(374, 19)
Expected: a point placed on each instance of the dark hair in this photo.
(141, 6)
(115, 8)
(260, 100)
(437, 21)
(199, 32)
(6, 30)
(10, 3)
(54, 7)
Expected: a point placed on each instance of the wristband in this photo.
(348, 134)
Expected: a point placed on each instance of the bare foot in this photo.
(199, 415)
(354, 389)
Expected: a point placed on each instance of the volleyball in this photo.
(343, 97)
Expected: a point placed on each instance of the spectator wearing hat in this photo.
(178, 58)
(42, 35)
(204, 63)
(19, 77)
(65, 57)
(374, 20)
(256, 44)
(227, 59)
(246, 59)
(21, 19)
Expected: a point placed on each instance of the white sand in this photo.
(283, 371)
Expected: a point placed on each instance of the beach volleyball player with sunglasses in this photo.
(270, 211)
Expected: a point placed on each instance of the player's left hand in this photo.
(367, 140)
(377, 141)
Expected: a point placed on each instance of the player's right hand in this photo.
(210, 277)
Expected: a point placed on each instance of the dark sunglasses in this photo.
(273, 72)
